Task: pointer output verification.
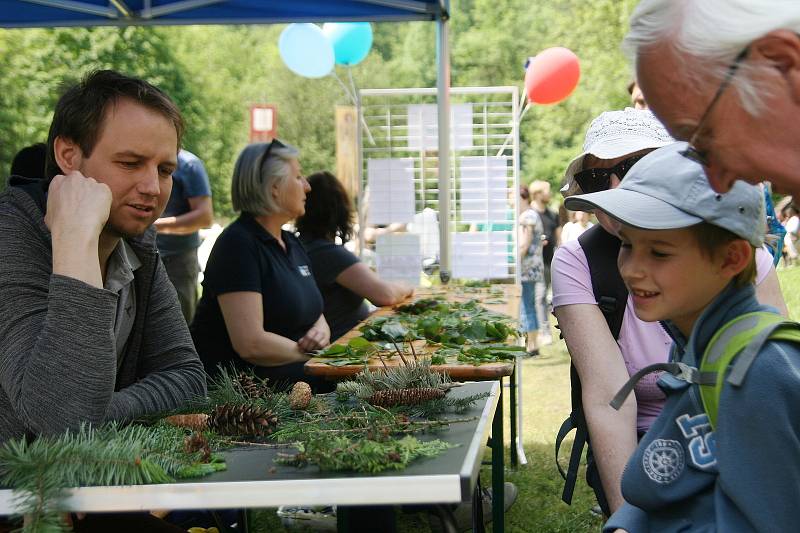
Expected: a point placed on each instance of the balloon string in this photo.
(524, 110)
(352, 83)
(360, 114)
(508, 137)
(352, 96)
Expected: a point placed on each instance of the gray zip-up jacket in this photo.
(58, 364)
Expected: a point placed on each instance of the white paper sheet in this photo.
(391, 190)
(481, 255)
(423, 127)
(398, 257)
(484, 189)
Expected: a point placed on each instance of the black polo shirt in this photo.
(246, 258)
(343, 308)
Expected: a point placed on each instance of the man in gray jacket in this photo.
(90, 326)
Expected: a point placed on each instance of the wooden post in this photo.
(347, 148)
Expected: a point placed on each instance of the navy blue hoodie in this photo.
(743, 476)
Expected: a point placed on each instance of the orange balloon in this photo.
(552, 75)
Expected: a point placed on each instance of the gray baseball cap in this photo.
(665, 190)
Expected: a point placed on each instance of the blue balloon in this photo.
(306, 50)
(351, 41)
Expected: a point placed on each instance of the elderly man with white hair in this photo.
(724, 75)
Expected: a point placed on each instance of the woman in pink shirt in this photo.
(615, 141)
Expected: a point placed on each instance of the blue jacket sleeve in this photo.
(630, 518)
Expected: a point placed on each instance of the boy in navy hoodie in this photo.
(687, 259)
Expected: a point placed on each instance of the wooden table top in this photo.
(502, 299)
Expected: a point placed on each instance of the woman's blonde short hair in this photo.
(254, 177)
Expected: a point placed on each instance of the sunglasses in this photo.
(599, 179)
(274, 143)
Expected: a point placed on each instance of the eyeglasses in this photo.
(691, 152)
(599, 179)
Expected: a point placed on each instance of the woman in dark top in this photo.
(343, 280)
(261, 308)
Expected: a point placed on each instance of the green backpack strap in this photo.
(741, 339)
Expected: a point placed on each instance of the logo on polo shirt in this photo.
(304, 270)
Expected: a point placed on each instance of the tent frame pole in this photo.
(443, 113)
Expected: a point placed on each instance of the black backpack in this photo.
(601, 249)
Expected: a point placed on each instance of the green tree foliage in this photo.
(214, 73)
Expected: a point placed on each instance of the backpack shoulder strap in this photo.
(601, 249)
(741, 339)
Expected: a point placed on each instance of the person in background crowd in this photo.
(721, 75)
(524, 199)
(614, 142)
(637, 98)
(29, 161)
(792, 225)
(189, 209)
(530, 238)
(539, 199)
(261, 308)
(776, 233)
(343, 280)
(575, 227)
(90, 328)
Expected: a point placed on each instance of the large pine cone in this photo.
(242, 420)
(392, 397)
(300, 396)
(250, 386)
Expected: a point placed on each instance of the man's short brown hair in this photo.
(81, 110)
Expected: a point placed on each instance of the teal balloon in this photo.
(306, 50)
(351, 41)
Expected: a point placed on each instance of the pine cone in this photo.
(242, 420)
(196, 421)
(250, 386)
(196, 442)
(300, 396)
(392, 397)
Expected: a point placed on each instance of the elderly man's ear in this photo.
(781, 48)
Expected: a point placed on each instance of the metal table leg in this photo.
(512, 415)
(498, 473)
(516, 445)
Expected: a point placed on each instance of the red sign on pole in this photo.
(263, 122)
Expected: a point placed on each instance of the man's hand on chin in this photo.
(77, 210)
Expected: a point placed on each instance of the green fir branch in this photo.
(338, 453)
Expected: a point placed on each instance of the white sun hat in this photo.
(614, 134)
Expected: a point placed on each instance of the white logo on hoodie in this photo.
(663, 461)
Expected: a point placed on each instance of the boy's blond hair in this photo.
(711, 239)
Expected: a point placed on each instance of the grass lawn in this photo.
(790, 285)
(545, 405)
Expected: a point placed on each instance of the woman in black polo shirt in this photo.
(343, 280)
(260, 307)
